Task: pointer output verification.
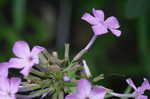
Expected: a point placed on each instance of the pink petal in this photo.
(35, 54)
(99, 15)
(3, 96)
(112, 22)
(73, 96)
(97, 93)
(14, 84)
(130, 82)
(6, 97)
(89, 18)
(17, 63)
(36, 50)
(13, 97)
(99, 29)
(4, 84)
(142, 97)
(4, 69)
(116, 32)
(21, 49)
(83, 87)
(145, 86)
(36, 61)
(26, 70)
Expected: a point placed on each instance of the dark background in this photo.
(52, 23)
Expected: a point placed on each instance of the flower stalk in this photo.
(122, 95)
(85, 50)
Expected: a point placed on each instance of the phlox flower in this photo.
(25, 58)
(9, 87)
(139, 91)
(101, 26)
(84, 90)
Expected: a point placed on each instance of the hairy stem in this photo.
(122, 95)
(85, 50)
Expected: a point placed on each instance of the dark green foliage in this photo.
(137, 8)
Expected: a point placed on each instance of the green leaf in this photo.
(38, 73)
(40, 92)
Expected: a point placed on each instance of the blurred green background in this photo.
(52, 23)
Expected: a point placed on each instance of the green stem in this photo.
(108, 96)
(128, 90)
(66, 51)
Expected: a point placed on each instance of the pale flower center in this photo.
(7, 94)
(87, 98)
(30, 59)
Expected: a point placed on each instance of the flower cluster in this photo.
(24, 59)
(45, 74)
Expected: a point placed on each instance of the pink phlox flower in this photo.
(9, 87)
(25, 58)
(139, 91)
(85, 91)
(101, 26)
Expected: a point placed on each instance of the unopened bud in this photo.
(86, 69)
(66, 79)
